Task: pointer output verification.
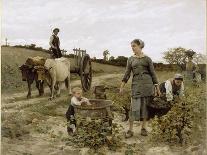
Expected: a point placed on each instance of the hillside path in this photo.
(19, 100)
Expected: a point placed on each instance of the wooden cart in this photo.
(81, 64)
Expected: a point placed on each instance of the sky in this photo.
(97, 25)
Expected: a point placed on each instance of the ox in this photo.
(29, 74)
(54, 72)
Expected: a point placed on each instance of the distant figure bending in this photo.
(55, 44)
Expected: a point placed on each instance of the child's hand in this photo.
(82, 102)
(88, 103)
(85, 103)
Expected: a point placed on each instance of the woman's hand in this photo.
(121, 91)
(157, 91)
(122, 88)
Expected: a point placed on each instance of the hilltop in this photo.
(12, 58)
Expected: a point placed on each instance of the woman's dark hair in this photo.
(138, 42)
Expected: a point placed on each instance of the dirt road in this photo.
(19, 100)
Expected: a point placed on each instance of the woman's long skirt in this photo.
(138, 108)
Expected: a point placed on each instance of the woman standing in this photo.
(142, 88)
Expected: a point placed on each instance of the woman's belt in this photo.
(138, 74)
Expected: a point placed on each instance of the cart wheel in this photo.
(86, 72)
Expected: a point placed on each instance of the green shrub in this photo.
(120, 101)
(177, 125)
(97, 133)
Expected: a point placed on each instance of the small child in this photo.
(76, 100)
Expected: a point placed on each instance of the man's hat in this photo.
(56, 29)
(178, 77)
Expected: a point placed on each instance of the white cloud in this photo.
(112, 24)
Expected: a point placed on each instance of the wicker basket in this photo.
(158, 107)
(159, 103)
(100, 109)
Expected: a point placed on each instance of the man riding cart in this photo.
(55, 44)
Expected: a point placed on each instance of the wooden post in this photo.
(6, 41)
(78, 55)
(75, 61)
(84, 52)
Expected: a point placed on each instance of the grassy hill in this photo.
(12, 57)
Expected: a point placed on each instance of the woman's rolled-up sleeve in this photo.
(127, 71)
(152, 72)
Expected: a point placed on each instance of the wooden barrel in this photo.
(100, 109)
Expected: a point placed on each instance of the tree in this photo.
(121, 60)
(200, 58)
(105, 54)
(32, 46)
(111, 58)
(176, 56)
